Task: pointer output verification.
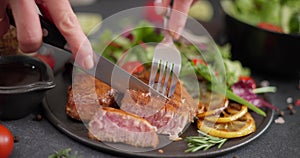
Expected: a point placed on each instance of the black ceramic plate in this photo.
(54, 105)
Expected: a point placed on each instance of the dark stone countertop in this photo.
(41, 138)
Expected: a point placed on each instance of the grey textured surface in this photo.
(40, 138)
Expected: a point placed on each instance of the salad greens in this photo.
(234, 69)
(114, 47)
(282, 13)
(244, 88)
(269, 89)
(203, 70)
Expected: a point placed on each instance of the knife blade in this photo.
(118, 78)
(104, 70)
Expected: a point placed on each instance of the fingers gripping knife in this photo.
(103, 70)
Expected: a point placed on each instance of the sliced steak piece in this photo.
(115, 125)
(86, 95)
(171, 119)
(144, 104)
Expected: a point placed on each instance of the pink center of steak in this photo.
(128, 122)
(115, 125)
(159, 119)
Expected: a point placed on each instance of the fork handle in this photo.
(167, 14)
(167, 36)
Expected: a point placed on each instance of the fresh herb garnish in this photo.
(268, 89)
(64, 153)
(203, 142)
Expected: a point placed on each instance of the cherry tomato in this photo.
(133, 67)
(48, 59)
(199, 61)
(249, 80)
(6, 142)
(270, 27)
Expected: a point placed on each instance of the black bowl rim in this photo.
(264, 30)
(38, 85)
(288, 35)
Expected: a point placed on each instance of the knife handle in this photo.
(51, 34)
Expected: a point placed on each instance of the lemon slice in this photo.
(89, 22)
(211, 104)
(231, 113)
(238, 128)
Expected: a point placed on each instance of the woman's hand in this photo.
(29, 32)
(177, 18)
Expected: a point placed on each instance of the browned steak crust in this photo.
(87, 94)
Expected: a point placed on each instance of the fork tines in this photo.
(162, 82)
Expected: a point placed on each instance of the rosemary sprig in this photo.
(203, 142)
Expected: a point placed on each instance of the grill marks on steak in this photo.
(85, 95)
(115, 125)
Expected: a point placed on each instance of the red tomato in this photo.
(48, 59)
(199, 61)
(133, 67)
(249, 80)
(269, 27)
(6, 142)
(297, 102)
